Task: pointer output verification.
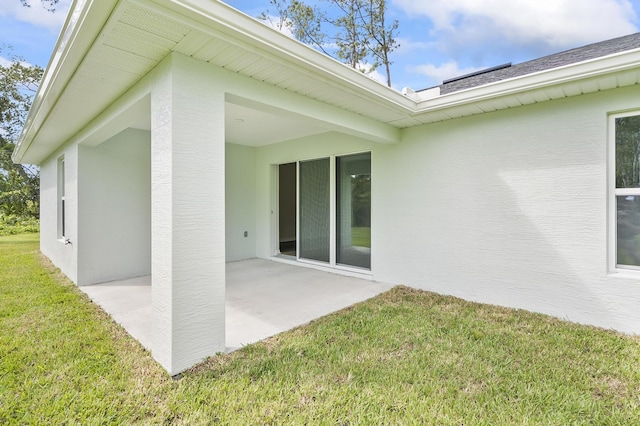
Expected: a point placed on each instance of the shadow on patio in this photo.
(263, 298)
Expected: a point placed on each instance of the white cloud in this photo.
(36, 14)
(275, 22)
(438, 73)
(408, 45)
(4, 62)
(369, 71)
(542, 26)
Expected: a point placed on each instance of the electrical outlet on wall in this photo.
(246, 234)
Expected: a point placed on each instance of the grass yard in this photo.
(361, 237)
(405, 357)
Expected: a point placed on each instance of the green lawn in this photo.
(406, 357)
(361, 236)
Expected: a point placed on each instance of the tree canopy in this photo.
(19, 184)
(19, 80)
(356, 32)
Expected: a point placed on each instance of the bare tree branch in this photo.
(355, 32)
(47, 4)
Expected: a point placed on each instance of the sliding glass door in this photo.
(315, 199)
(353, 210)
(333, 210)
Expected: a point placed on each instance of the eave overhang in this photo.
(107, 46)
(80, 29)
(604, 73)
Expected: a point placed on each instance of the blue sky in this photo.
(439, 38)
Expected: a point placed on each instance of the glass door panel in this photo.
(314, 195)
(287, 205)
(353, 210)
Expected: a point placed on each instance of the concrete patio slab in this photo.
(263, 298)
(128, 302)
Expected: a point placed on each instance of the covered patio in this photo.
(170, 168)
(263, 298)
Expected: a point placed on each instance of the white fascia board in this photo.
(593, 68)
(77, 36)
(241, 29)
(88, 18)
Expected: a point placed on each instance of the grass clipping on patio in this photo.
(404, 357)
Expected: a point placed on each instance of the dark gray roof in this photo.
(555, 60)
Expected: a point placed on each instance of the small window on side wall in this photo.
(626, 191)
(62, 231)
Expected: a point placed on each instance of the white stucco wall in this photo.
(64, 256)
(240, 202)
(114, 193)
(508, 208)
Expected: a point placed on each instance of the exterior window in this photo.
(62, 232)
(626, 134)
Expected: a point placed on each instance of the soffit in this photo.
(138, 34)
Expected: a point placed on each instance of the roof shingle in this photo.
(580, 54)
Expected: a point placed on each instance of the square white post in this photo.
(188, 223)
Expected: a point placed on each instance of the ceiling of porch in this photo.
(243, 125)
(248, 126)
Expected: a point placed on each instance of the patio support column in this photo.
(188, 223)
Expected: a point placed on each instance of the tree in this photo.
(627, 132)
(382, 36)
(19, 184)
(47, 4)
(303, 21)
(351, 37)
(355, 32)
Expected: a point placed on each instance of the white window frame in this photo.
(62, 208)
(615, 192)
